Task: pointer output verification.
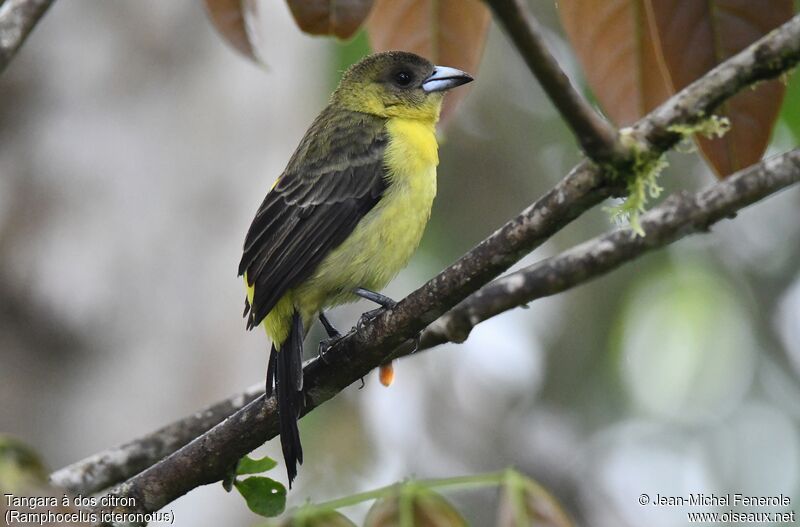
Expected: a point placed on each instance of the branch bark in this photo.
(597, 137)
(17, 20)
(207, 458)
(678, 216)
(111, 466)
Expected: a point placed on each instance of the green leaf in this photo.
(789, 114)
(248, 465)
(264, 496)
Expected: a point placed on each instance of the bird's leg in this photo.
(329, 329)
(382, 300)
(333, 336)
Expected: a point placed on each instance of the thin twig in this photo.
(597, 137)
(17, 19)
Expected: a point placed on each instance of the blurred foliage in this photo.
(682, 324)
(22, 475)
(790, 114)
(20, 466)
(419, 504)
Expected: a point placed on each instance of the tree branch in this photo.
(207, 458)
(597, 137)
(678, 216)
(111, 466)
(17, 19)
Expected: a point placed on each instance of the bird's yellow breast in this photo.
(384, 240)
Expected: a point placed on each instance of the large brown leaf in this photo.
(694, 36)
(229, 18)
(524, 502)
(447, 32)
(427, 509)
(340, 18)
(616, 50)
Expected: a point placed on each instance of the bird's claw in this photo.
(325, 346)
(416, 340)
(369, 316)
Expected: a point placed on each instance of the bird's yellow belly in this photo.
(385, 239)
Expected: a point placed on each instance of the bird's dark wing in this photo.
(334, 178)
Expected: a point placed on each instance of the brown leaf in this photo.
(446, 32)
(527, 503)
(22, 474)
(616, 50)
(229, 18)
(428, 508)
(694, 37)
(340, 18)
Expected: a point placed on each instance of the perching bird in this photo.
(346, 214)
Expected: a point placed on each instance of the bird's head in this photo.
(397, 84)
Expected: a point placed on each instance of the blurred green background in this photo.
(135, 148)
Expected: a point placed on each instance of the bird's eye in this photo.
(402, 78)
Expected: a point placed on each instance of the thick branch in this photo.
(207, 458)
(108, 468)
(17, 19)
(773, 54)
(678, 216)
(598, 139)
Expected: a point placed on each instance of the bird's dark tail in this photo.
(286, 368)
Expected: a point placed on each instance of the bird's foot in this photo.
(382, 300)
(333, 337)
(326, 345)
(369, 316)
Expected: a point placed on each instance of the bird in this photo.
(345, 215)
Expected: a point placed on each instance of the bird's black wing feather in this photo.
(334, 178)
